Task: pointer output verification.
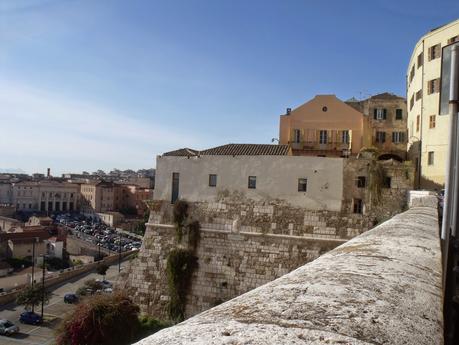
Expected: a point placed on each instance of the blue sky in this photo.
(111, 83)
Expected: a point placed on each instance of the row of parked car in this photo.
(95, 232)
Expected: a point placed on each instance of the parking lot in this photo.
(97, 233)
(54, 312)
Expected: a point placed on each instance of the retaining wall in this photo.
(382, 287)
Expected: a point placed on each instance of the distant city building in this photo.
(428, 131)
(98, 196)
(46, 196)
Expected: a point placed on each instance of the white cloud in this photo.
(39, 128)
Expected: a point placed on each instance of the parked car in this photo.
(8, 328)
(105, 284)
(70, 298)
(30, 318)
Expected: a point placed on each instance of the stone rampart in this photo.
(230, 264)
(382, 287)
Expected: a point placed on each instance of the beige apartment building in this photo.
(428, 131)
(98, 196)
(45, 196)
(385, 124)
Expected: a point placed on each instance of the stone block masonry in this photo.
(230, 264)
(382, 287)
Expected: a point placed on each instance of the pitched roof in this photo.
(235, 150)
(387, 95)
(182, 152)
(248, 150)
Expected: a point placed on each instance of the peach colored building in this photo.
(323, 126)
(132, 198)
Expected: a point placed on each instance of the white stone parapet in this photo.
(382, 287)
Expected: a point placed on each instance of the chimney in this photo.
(289, 110)
(48, 173)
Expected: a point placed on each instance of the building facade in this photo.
(260, 172)
(428, 131)
(6, 193)
(385, 124)
(98, 196)
(46, 196)
(323, 126)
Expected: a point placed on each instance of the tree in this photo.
(32, 296)
(102, 320)
(102, 269)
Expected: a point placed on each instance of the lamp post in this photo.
(43, 287)
(119, 254)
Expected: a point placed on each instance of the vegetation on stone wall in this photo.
(180, 214)
(181, 261)
(181, 264)
(376, 181)
(194, 234)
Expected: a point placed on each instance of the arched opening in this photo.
(387, 156)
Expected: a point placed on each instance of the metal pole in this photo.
(43, 287)
(33, 264)
(119, 254)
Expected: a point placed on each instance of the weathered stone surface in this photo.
(382, 287)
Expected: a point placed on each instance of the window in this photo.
(296, 136)
(252, 182)
(431, 158)
(433, 86)
(420, 59)
(323, 137)
(432, 121)
(398, 137)
(379, 114)
(411, 73)
(419, 95)
(434, 52)
(212, 180)
(380, 137)
(302, 184)
(418, 122)
(345, 137)
(387, 182)
(453, 39)
(411, 101)
(399, 114)
(361, 182)
(358, 206)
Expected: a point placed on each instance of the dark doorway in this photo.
(175, 187)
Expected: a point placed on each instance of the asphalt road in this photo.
(54, 311)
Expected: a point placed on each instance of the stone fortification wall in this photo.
(382, 287)
(229, 264)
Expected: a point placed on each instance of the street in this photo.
(54, 311)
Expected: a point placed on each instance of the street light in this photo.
(33, 261)
(43, 287)
(119, 254)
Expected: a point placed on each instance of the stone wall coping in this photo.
(257, 234)
(382, 287)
